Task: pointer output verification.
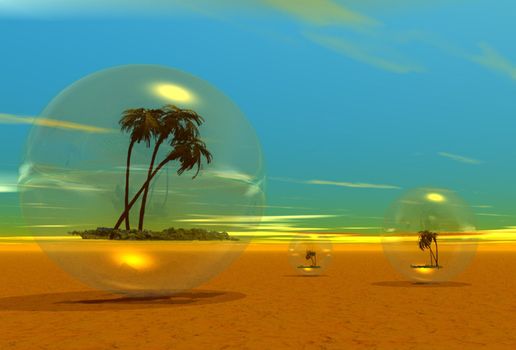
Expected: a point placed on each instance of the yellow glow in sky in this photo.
(174, 92)
(435, 197)
(135, 260)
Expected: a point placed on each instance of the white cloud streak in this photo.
(494, 60)
(459, 158)
(337, 183)
(359, 53)
(318, 13)
(493, 215)
(352, 184)
(252, 218)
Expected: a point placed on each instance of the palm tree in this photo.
(142, 124)
(311, 255)
(189, 151)
(426, 238)
(174, 123)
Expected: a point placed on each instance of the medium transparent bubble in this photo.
(73, 179)
(310, 256)
(429, 235)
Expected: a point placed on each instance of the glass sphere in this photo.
(429, 235)
(310, 256)
(74, 178)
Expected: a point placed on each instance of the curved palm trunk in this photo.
(146, 190)
(127, 171)
(137, 195)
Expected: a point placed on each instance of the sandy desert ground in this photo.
(258, 303)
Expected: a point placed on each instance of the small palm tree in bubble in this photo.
(426, 238)
(312, 256)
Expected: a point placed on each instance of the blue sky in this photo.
(353, 101)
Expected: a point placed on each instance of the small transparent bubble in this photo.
(310, 256)
(429, 235)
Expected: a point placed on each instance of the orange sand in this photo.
(259, 304)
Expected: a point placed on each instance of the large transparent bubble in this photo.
(73, 179)
(429, 235)
(310, 255)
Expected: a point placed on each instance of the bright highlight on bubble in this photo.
(175, 93)
(435, 197)
(137, 261)
(424, 271)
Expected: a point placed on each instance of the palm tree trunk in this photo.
(137, 195)
(127, 171)
(146, 190)
(436, 253)
(432, 255)
(166, 191)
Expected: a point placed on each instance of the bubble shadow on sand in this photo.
(102, 301)
(407, 284)
(306, 276)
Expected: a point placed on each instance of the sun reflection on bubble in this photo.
(137, 261)
(173, 92)
(424, 270)
(435, 197)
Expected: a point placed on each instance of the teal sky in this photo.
(353, 101)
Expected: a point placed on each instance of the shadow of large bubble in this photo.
(73, 178)
(429, 235)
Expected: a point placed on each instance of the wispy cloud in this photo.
(337, 183)
(493, 215)
(352, 184)
(8, 188)
(62, 185)
(52, 123)
(8, 183)
(274, 227)
(322, 12)
(360, 53)
(253, 218)
(360, 228)
(250, 206)
(494, 60)
(310, 14)
(255, 184)
(47, 226)
(459, 158)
